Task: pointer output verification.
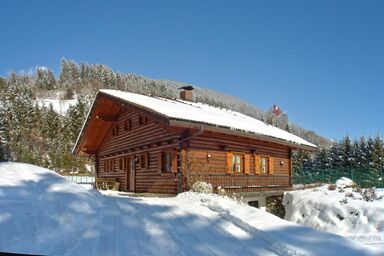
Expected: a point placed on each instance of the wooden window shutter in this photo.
(247, 164)
(257, 164)
(159, 161)
(270, 163)
(174, 161)
(229, 162)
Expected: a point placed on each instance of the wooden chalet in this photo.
(152, 144)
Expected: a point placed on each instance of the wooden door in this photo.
(132, 174)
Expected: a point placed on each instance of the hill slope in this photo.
(38, 125)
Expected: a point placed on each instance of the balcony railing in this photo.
(243, 182)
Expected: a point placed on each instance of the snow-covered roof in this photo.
(197, 112)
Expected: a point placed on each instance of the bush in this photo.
(369, 194)
(221, 191)
(202, 187)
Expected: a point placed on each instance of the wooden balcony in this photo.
(244, 182)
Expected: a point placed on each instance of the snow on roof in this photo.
(202, 113)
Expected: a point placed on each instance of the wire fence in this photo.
(362, 177)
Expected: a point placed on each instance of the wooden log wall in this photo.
(218, 145)
(207, 155)
(133, 135)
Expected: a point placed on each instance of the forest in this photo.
(37, 134)
(362, 160)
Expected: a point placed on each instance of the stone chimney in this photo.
(186, 93)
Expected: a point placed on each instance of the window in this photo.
(115, 130)
(237, 163)
(264, 165)
(254, 204)
(167, 162)
(121, 164)
(105, 165)
(143, 120)
(109, 165)
(112, 165)
(127, 125)
(144, 160)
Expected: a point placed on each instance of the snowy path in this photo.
(42, 213)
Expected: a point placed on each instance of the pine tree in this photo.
(347, 152)
(336, 156)
(363, 158)
(377, 155)
(3, 142)
(45, 79)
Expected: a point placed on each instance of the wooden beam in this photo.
(89, 152)
(107, 118)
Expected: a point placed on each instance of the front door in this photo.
(132, 174)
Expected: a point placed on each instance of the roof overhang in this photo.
(100, 117)
(244, 134)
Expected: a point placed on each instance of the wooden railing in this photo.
(243, 182)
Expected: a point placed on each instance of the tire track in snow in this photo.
(276, 245)
(229, 246)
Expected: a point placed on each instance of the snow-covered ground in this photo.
(59, 106)
(341, 211)
(42, 213)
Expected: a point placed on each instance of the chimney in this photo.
(186, 93)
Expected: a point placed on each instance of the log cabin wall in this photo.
(208, 157)
(137, 136)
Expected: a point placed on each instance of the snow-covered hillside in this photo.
(339, 209)
(59, 106)
(42, 213)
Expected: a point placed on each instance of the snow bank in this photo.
(43, 213)
(341, 211)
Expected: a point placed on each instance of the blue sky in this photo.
(321, 60)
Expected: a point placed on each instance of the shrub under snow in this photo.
(348, 211)
(202, 187)
(344, 182)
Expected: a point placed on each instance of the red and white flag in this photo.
(276, 110)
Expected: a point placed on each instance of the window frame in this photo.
(142, 120)
(113, 165)
(127, 125)
(268, 162)
(144, 160)
(165, 164)
(121, 164)
(237, 167)
(115, 129)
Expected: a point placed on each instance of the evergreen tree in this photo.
(3, 142)
(363, 153)
(336, 156)
(347, 152)
(45, 79)
(377, 154)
